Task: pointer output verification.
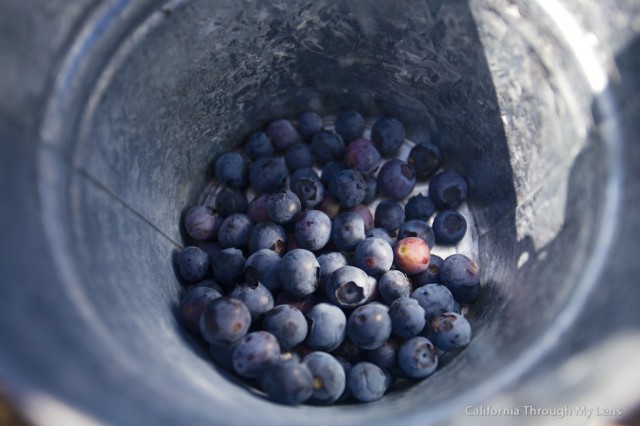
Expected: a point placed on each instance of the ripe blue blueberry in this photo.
(327, 146)
(313, 230)
(262, 267)
(380, 233)
(268, 174)
(389, 216)
(367, 382)
(256, 297)
(287, 324)
(365, 213)
(257, 209)
(330, 171)
(448, 190)
(259, 145)
(282, 134)
(388, 135)
(407, 317)
(431, 275)
(224, 321)
(384, 356)
(425, 159)
(418, 358)
(374, 256)
(268, 235)
(255, 353)
(283, 206)
(396, 179)
(372, 190)
(330, 262)
(231, 169)
(435, 299)
(392, 285)
(349, 124)
(228, 267)
(349, 287)
(329, 378)
(202, 223)
(417, 228)
(309, 189)
(193, 263)
(309, 123)
(193, 303)
(460, 275)
(450, 331)
(230, 201)
(347, 231)
(419, 207)
(298, 156)
(327, 327)
(449, 227)
(349, 187)
(235, 230)
(369, 326)
(299, 272)
(362, 155)
(288, 382)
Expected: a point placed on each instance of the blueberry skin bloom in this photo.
(369, 326)
(450, 331)
(374, 256)
(282, 206)
(349, 187)
(449, 227)
(349, 287)
(460, 275)
(262, 267)
(388, 135)
(288, 382)
(202, 223)
(268, 174)
(367, 382)
(447, 190)
(392, 285)
(396, 179)
(435, 299)
(193, 303)
(330, 262)
(407, 317)
(193, 263)
(287, 324)
(418, 358)
(349, 124)
(362, 156)
(224, 321)
(256, 297)
(282, 134)
(268, 235)
(327, 325)
(309, 189)
(313, 230)
(232, 169)
(235, 230)
(299, 272)
(347, 231)
(329, 378)
(255, 353)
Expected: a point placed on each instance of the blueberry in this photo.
(349, 351)
(202, 223)
(349, 187)
(362, 156)
(268, 235)
(287, 324)
(210, 283)
(381, 233)
(367, 382)
(309, 189)
(282, 134)
(396, 179)
(228, 267)
(313, 230)
(306, 172)
(327, 327)
(460, 275)
(349, 287)
(384, 356)
(329, 206)
(230, 201)
(417, 228)
(374, 256)
(235, 230)
(193, 303)
(193, 263)
(435, 299)
(407, 317)
(231, 169)
(411, 255)
(431, 274)
(330, 262)
(268, 174)
(224, 321)
(447, 190)
(211, 249)
(418, 358)
(255, 353)
(372, 190)
(262, 267)
(419, 207)
(330, 171)
(389, 216)
(392, 285)
(349, 125)
(425, 159)
(347, 231)
(369, 326)
(299, 272)
(327, 146)
(259, 145)
(283, 206)
(257, 209)
(450, 331)
(388, 135)
(287, 382)
(329, 378)
(298, 156)
(309, 123)
(449, 227)
(256, 297)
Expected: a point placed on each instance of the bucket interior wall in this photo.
(152, 93)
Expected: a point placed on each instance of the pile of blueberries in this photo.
(302, 291)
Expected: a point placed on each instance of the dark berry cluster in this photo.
(300, 289)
